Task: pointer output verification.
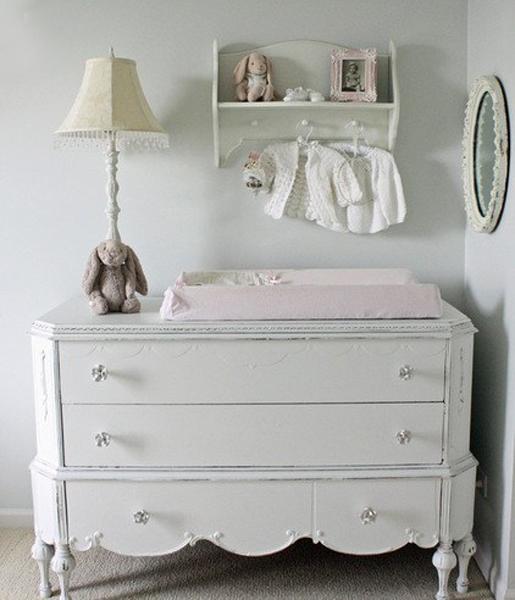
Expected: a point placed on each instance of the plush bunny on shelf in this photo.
(113, 275)
(253, 78)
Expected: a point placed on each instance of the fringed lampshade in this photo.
(111, 103)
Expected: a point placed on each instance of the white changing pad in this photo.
(270, 294)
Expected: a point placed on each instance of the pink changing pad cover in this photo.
(275, 294)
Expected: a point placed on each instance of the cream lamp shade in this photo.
(111, 105)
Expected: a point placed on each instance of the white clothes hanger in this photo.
(358, 132)
(304, 129)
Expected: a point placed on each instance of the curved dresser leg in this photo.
(465, 549)
(63, 564)
(42, 553)
(444, 560)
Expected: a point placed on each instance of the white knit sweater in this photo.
(330, 186)
(319, 196)
(383, 202)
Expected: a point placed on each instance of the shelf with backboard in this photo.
(305, 63)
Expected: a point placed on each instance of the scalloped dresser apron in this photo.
(153, 435)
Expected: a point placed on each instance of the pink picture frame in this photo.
(354, 75)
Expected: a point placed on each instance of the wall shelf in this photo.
(280, 105)
(295, 63)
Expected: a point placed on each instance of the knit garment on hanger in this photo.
(331, 186)
(383, 203)
(315, 187)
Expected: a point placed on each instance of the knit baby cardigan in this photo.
(383, 202)
(335, 186)
(330, 182)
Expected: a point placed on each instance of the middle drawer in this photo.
(253, 435)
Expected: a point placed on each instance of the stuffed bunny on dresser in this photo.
(113, 275)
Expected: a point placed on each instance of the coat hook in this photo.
(301, 128)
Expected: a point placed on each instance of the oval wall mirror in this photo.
(486, 153)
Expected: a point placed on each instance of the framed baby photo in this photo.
(354, 75)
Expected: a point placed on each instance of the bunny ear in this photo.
(268, 70)
(240, 70)
(134, 266)
(92, 272)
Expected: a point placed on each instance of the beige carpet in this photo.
(205, 572)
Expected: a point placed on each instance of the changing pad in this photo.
(270, 294)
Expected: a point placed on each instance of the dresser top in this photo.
(74, 320)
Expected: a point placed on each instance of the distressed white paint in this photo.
(259, 371)
(407, 510)
(301, 435)
(358, 474)
(45, 364)
(200, 508)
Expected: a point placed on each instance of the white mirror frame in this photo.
(488, 222)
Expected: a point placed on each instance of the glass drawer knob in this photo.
(403, 437)
(406, 372)
(99, 373)
(368, 516)
(102, 440)
(141, 517)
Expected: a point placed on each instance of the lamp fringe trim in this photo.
(139, 140)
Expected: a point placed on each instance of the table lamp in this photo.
(111, 113)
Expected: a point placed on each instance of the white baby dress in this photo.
(329, 185)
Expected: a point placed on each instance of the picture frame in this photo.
(354, 75)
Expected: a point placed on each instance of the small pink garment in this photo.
(270, 294)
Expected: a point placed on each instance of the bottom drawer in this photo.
(372, 516)
(356, 516)
(147, 518)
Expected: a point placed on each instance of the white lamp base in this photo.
(112, 208)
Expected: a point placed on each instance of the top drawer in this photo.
(253, 371)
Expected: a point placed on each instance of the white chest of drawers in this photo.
(153, 435)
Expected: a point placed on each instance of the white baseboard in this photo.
(497, 586)
(500, 590)
(482, 562)
(16, 517)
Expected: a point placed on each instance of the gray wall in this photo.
(490, 299)
(178, 211)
